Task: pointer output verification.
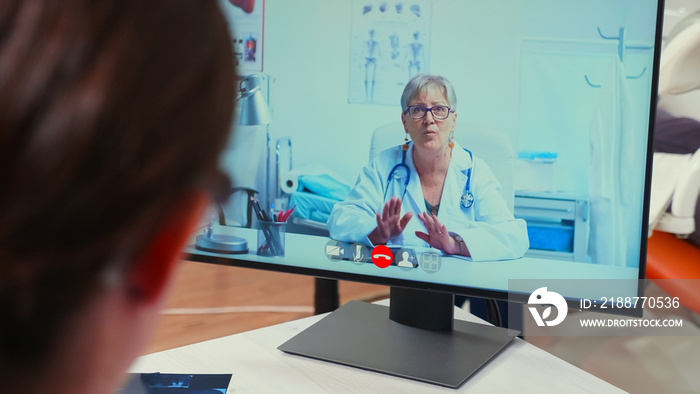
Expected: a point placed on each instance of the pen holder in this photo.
(271, 238)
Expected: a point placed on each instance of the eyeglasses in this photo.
(439, 112)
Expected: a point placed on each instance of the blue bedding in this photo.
(324, 186)
(316, 196)
(311, 206)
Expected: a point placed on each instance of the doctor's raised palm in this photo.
(437, 236)
(389, 222)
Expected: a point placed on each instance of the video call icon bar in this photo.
(383, 256)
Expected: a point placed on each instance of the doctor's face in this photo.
(427, 133)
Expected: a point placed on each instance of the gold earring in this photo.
(405, 144)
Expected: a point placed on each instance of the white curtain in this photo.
(617, 151)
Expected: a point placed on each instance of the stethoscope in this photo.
(401, 170)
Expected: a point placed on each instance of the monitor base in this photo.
(361, 335)
(221, 243)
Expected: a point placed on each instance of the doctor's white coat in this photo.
(488, 227)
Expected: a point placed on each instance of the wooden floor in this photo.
(214, 294)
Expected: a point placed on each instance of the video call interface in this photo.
(566, 84)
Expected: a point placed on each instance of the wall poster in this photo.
(247, 17)
(389, 43)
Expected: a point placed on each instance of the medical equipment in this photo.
(678, 74)
(467, 198)
(678, 66)
(401, 170)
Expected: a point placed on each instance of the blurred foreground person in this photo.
(112, 118)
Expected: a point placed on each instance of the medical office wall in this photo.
(308, 52)
(547, 73)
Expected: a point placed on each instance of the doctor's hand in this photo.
(389, 222)
(438, 237)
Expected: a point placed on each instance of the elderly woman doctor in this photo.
(454, 195)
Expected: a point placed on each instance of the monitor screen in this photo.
(489, 148)
(549, 105)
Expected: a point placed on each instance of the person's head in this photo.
(113, 116)
(429, 130)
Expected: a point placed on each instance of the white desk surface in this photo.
(258, 367)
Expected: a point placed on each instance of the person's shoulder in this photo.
(480, 163)
(481, 169)
(382, 162)
(389, 155)
(467, 159)
(462, 157)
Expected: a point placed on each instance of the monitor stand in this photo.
(416, 338)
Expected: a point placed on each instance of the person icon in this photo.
(405, 260)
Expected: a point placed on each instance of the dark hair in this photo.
(112, 111)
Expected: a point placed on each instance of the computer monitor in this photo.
(570, 86)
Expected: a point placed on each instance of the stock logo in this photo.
(543, 297)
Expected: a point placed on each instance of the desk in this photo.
(305, 255)
(258, 367)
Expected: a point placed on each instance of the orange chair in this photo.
(669, 257)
